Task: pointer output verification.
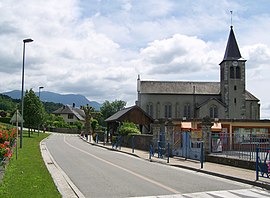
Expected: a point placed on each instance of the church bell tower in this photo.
(232, 80)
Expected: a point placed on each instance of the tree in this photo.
(94, 125)
(8, 104)
(108, 109)
(90, 113)
(34, 112)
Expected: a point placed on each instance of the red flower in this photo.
(6, 143)
(1, 135)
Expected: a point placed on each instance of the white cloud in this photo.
(177, 55)
(97, 48)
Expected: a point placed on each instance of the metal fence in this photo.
(239, 145)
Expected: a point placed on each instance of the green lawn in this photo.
(28, 176)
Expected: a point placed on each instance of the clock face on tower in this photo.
(234, 63)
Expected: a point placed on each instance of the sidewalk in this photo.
(228, 172)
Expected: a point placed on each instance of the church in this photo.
(186, 100)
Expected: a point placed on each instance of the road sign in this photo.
(16, 117)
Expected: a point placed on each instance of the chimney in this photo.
(73, 105)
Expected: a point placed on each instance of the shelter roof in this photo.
(118, 116)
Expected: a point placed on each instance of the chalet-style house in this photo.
(71, 114)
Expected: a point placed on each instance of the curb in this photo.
(254, 183)
(63, 183)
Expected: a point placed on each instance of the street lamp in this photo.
(29, 40)
(39, 91)
(40, 100)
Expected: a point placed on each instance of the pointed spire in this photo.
(232, 51)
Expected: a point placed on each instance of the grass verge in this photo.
(28, 176)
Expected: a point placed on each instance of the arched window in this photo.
(167, 110)
(231, 72)
(213, 111)
(187, 111)
(238, 72)
(149, 109)
(158, 110)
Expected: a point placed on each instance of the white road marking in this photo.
(256, 193)
(124, 169)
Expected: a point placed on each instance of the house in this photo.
(71, 114)
(227, 99)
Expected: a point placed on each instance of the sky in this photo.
(98, 48)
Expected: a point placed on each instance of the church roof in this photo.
(179, 87)
(232, 51)
(185, 88)
(250, 96)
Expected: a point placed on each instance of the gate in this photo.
(187, 145)
(262, 163)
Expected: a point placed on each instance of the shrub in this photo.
(5, 120)
(128, 128)
(7, 141)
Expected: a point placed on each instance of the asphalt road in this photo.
(99, 172)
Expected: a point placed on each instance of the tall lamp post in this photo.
(39, 91)
(40, 100)
(29, 40)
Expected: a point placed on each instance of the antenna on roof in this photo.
(231, 19)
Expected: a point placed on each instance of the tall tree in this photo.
(90, 113)
(34, 112)
(109, 108)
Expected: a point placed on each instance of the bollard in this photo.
(257, 164)
(202, 156)
(150, 151)
(97, 138)
(120, 142)
(133, 144)
(168, 153)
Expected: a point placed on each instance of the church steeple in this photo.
(232, 80)
(232, 51)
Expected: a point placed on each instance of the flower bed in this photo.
(7, 143)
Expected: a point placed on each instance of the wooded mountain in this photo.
(69, 99)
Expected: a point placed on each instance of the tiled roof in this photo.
(179, 87)
(249, 96)
(67, 109)
(118, 114)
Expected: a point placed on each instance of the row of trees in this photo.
(36, 116)
(39, 114)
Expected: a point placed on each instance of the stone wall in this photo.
(232, 162)
(64, 130)
(141, 142)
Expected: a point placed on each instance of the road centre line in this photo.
(124, 169)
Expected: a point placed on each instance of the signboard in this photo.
(17, 117)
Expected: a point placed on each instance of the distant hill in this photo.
(69, 99)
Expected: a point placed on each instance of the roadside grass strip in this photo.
(28, 176)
